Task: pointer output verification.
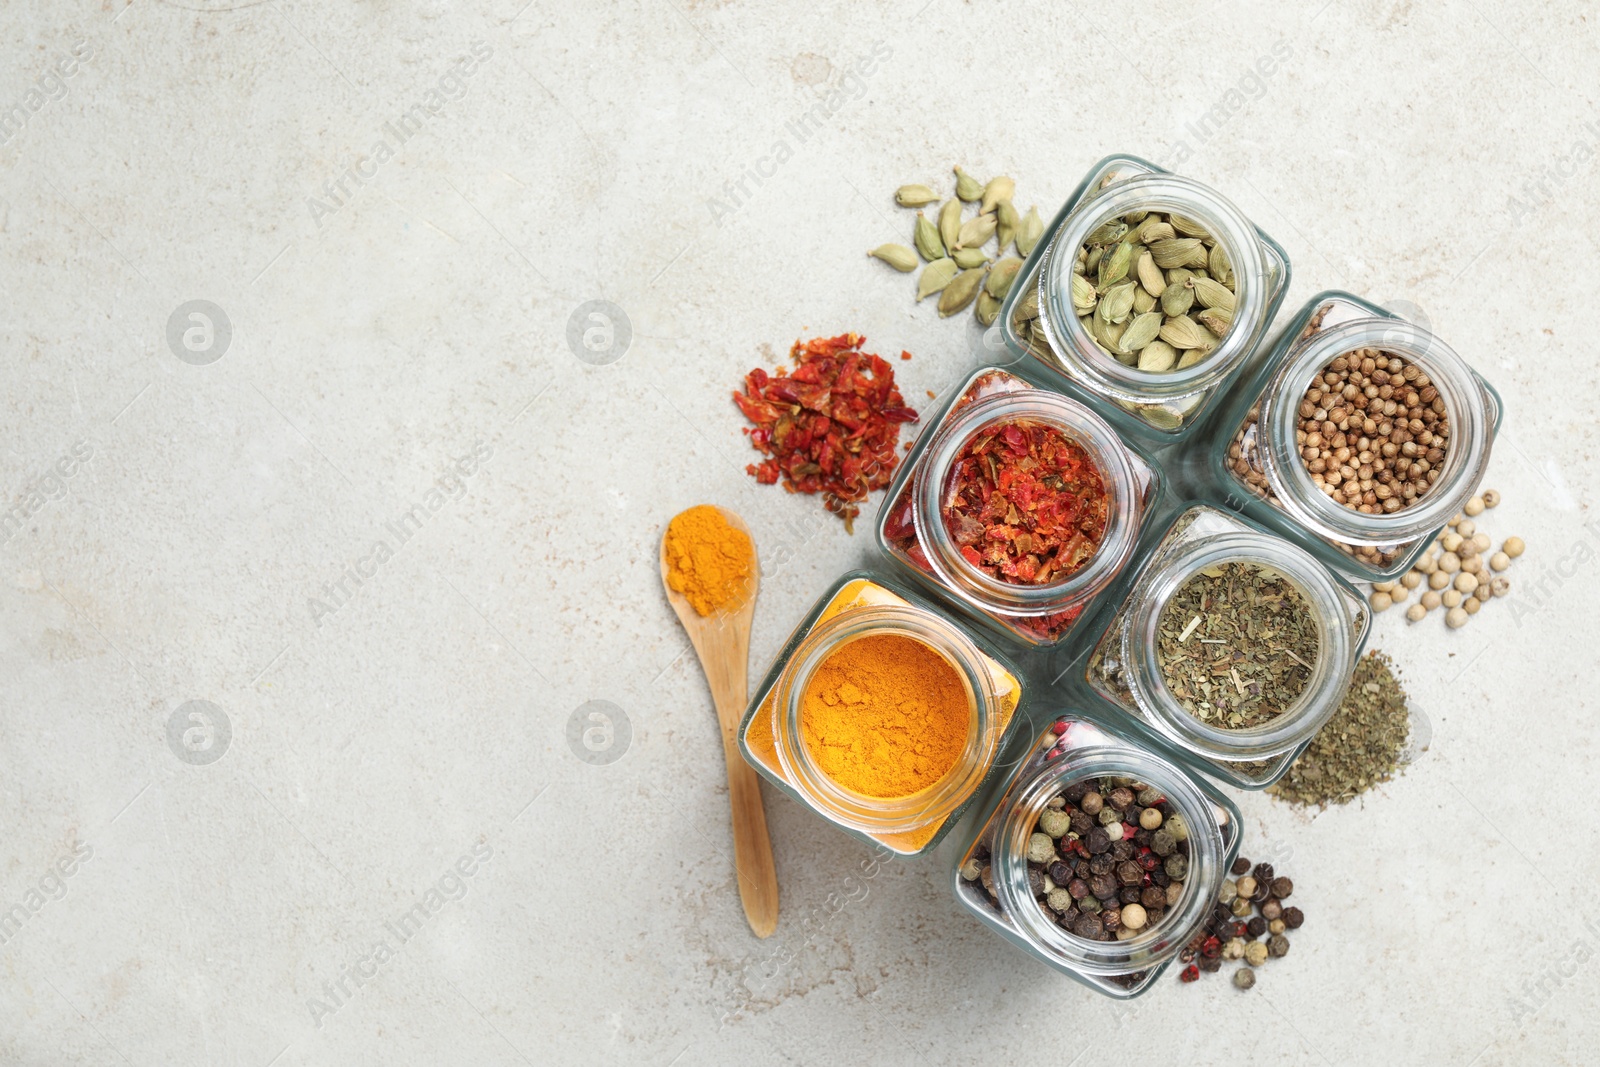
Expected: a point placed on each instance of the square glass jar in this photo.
(1124, 667)
(1258, 452)
(860, 605)
(1039, 318)
(995, 879)
(912, 532)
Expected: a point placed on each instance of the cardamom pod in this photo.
(959, 293)
(998, 189)
(1155, 228)
(914, 195)
(1177, 299)
(1179, 252)
(967, 258)
(968, 188)
(1030, 231)
(1220, 267)
(1213, 294)
(1117, 304)
(1106, 233)
(935, 276)
(1091, 262)
(1150, 275)
(1083, 294)
(1143, 301)
(1001, 276)
(1133, 218)
(988, 309)
(1028, 306)
(950, 222)
(976, 231)
(1141, 331)
(1187, 226)
(1183, 332)
(927, 239)
(899, 257)
(1193, 356)
(1114, 267)
(1217, 320)
(1178, 275)
(1006, 216)
(1155, 360)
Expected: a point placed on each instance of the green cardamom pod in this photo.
(1083, 294)
(1108, 232)
(998, 189)
(927, 239)
(899, 257)
(1028, 306)
(988, 309)
(1187, 226)
(976, 231)
(1155, 360)
(1150, 275)
(1155, 228)
(1117, 304)
(950, 222)
(1213, 294)
(935, 276)
(1001, 276)
(1221, 268)
(1133, 218)
(1030, 231)
(914, 195)
(960, 292)
(1183, 332)
(1143, 301)
(1193, 356)
(1179, 275)
(967, 258)
(1179, 252)
(1217, 320)
(1006, 216)
(1091, 262)
(1114, 267)
(968, 188)
(1177, 299)
(1141, 331)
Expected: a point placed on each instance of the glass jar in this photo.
(1002, 892)
(1125, 667)
(1261, 469)
(913, 532)
(1039, 318)
(771, 733)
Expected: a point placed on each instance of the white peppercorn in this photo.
(1456, 618)
(1411, 580)
(1491, 497)
(1439, 579)
(1134, 917)
(1499, 561)
(1399, 594)
(1383, 587)
(1466, 583)
(1500, 586)
(1450, 541)
(1466, 527)
(1416, 613)
(1450, 563)
(1451, 598)
(1380, 601)
(1474, 506)
(1471, 605)
(1481, 542)
(1513, 547)
(1430, 600)
(1472, 565)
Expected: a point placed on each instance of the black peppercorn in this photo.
(1089, 927)
(1121, 798)
(1262, 894)
(1282, 887)
(1211, 965)
(1162, 843)
(1160, 878)
(1111, 917)
(1102, 864)
(1142, 837)
(1256, 926)
(1060, 873)
(1097, 841)
(1104, 886)
(1278, 945)
(1078, 888)
(1129, 872)
(1076, 792)
(1263, 872)
(1177, 866)
(1122, 850)
(1081, 823)
(1221, 914)
(1153, 897)
(1129, 895)
(1240, 866)
(1271, 909)
(1293, 917)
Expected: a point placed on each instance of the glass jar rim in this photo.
(872, 814)
(1152, 946)
(1124, 503)
(1465, 405)
(1170, 192)
(1324, 690)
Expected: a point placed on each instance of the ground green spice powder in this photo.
(1359, 747)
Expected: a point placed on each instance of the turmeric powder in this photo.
(885, 716)
(709, 560)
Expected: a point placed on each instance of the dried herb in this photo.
(1236, 645)
(1359, 747)
(831, 426)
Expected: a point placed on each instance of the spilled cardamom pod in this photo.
(976, 231)
(998, 189)
(988, 308)
(950, 222)
(914, 195)
(935, 276)
(960, 292)
(899, 257)
(1030, 231)
(1007, 219)
(927, 239)
(968, 188)
(998, 284)
(967, 258)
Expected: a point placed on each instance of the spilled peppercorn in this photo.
(1231, 932)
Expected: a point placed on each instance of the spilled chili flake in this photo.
(1025, 503)
(830, 426)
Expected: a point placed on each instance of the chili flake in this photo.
(831, 426)
(1025, 504)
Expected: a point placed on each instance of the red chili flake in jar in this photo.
(830, 426)
(1025, 504)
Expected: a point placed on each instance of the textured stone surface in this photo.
(1441, 157)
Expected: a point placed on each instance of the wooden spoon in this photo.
(722, 641)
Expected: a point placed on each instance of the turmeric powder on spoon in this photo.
(709, 560)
